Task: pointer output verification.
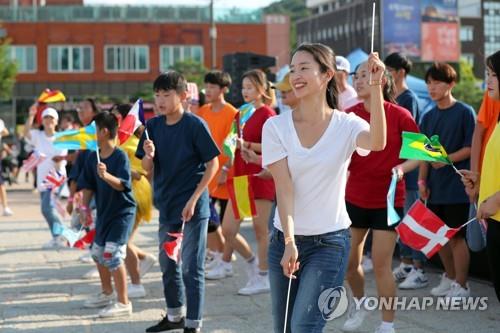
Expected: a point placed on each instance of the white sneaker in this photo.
(259, 284)
(214, 261)
(116, 310)
(100, 300)
(7, 212)
(457, 291)
(355, 318)
(384, 330)
(146, 264)
(401, 272)
(135, 290)
(416, 279)
(92, 274)
(443, 287)
(50, 244)
(367, 264)
(221, 271)
(55, 243)
(86, 258)
(60, 242)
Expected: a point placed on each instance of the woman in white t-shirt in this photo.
(53, 159)
(308, 152)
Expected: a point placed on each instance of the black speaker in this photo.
(235, 64)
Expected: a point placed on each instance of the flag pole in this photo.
(373, 27)
(287, 302)
(97, 152)
(373, 36)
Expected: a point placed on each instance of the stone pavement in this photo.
(42, 290)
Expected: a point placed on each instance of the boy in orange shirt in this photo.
(219, 115)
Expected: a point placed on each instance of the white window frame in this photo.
(35, 57)
(70, 59)
(170, 47)
(126, 70)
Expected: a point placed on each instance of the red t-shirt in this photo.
(370, 176)
(252, 132)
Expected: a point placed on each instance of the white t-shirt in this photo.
(319, 174)
(43, 145)
(348, 98)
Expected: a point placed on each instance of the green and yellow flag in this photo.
(417, 146)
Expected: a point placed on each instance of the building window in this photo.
(25, 56)
(126, 58)
(170, 54)
(466, 33)
(71, 58)
(469, 58)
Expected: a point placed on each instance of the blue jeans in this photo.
(50, 213)
(323, 263)
(185, 281)
(406, 252)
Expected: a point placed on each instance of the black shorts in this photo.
(371, 218)
(212, 226)
(453, 215)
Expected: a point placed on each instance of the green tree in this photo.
(295, 9)
(468, 88)
(192, 70)
(8, 71)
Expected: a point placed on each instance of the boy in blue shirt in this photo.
(182, 156)
(110, 182)
(410, 272)
(438, 184)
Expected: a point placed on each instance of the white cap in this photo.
(51, 113)
(343, 64)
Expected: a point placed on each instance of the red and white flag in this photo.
(33, 161)
(131, 122)
(53, 180)
(422, 230)
(173, 247)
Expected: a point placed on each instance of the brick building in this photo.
(118, 51)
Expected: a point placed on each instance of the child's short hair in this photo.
(222, 79)
(441, 71)
(122, 109)
(106, 119)
(170, 80)
(398, 61)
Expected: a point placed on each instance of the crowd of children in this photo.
(319, 176)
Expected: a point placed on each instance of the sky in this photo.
(218, 3)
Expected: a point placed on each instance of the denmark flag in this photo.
(422, 230)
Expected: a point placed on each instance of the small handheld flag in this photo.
(416, 146)
(33, 161)
(53, 180)
(131, 122)
(51, 96)
(241, 195)
(173, 248)
(82, 138)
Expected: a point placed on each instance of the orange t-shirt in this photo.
(488, 117)
(219, 124)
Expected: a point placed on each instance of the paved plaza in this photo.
(42, 290)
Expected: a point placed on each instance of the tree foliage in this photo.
(192, 70)
(468, 88)
(8, 71)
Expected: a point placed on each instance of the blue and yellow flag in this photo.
(83, 138)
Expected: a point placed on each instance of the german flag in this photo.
(241, 195)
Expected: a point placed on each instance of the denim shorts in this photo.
(111, 255)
